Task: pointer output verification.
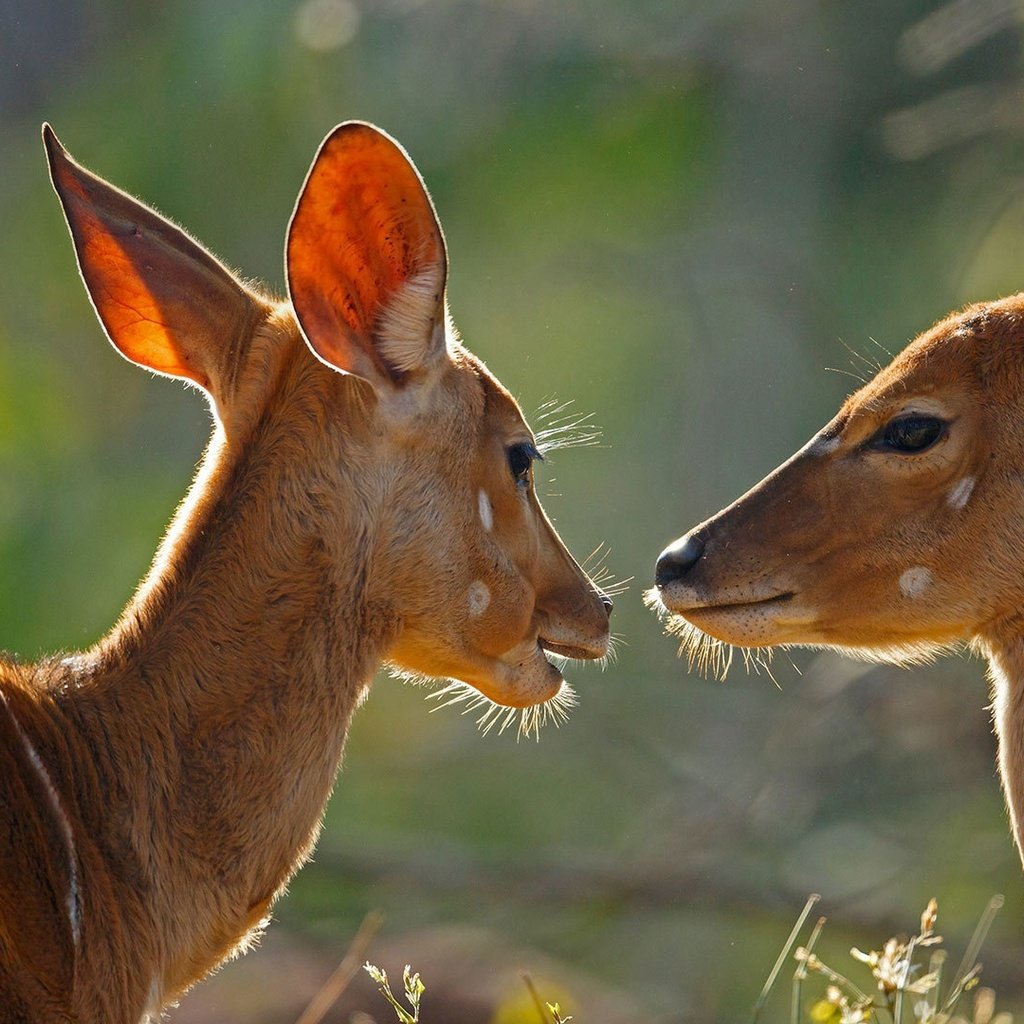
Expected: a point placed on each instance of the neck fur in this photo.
(231, 679)
(1006, 669)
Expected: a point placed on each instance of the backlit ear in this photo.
(365, 258)
(164, 301)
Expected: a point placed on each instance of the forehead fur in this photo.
(979, 348)
(497, 397)
(984, 341)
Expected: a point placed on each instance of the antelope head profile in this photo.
(895, 533)
(367, 496)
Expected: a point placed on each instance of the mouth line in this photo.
(563, 650)
(739, 605)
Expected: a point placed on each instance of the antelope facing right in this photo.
(896, 532)
(367, 496)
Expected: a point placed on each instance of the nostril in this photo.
(678, 559)
(608, 603)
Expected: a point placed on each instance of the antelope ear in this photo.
(365, 259)
(164, 301)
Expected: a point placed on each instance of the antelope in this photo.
(366, 497)
(895, 533)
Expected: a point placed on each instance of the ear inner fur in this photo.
(364, 233)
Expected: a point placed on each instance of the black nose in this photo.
(678, 559)
(608, 603)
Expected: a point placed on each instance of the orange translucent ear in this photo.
(365, 257)
(163, 300)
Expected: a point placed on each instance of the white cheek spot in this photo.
(486, 512)
(479, 597)
(961, 494)
(914, 582)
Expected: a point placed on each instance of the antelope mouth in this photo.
(755, 622)
(687, 600)
(575, 652)
(728, 607)
(527, 693)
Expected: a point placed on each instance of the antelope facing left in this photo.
(366, 497)
(895, 533)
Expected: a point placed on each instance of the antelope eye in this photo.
(520, 459)
(911, 434)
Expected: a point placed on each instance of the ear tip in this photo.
(50, 140)
(56, 155)
(356, 126)
(356, 131)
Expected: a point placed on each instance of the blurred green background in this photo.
(679, 215)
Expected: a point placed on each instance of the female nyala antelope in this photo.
(896, 532)
(366, 496)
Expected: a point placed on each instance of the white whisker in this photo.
(594, 562)
(499, 718)
(565, 429)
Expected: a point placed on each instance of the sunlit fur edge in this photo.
(496, 717)
(711, 657)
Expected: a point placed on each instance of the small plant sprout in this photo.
(547, 1013)
(908, 980)
(413, 986)
(556, 1013)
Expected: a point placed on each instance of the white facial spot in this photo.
(823, 446)
(914, 582)
(486, 512)
(961, 494)
(478, 596)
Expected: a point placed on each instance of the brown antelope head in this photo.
(467, 577)
(897, 531)
(367, 497)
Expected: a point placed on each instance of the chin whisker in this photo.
(495, 715)
(793, 664)
(500, 718)
(555, 711)
(615, 641)
(758, 660)
(458, 693)
(704, 654)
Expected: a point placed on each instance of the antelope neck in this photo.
(1006, 667)
(230, 682)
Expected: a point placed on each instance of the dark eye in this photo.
(520, 459)
(911, 433)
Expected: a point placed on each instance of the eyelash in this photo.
(521, 458)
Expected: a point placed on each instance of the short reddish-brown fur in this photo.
(332, 525)
(859, 544)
